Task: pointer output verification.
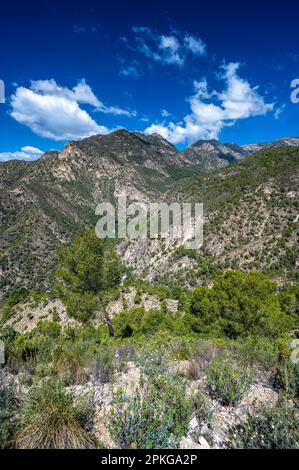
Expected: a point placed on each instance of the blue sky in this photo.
(186, 70)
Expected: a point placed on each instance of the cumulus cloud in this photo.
(81, 93)
(26, 153)
(166, 49)
(53, 111)
(212, 111)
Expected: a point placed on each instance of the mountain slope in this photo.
(212, 154)
(251, 207)
(251, 222)
(284, 142)
(45, 202)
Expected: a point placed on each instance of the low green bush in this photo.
(9, 404)
(268, 428)
(286, 379)
(227, 382)
(203, 407)
(103, 365)
(155, 417)
(256, 351)
(70, 362)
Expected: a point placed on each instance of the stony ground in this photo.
(208, 433)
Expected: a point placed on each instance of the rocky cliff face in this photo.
(284, 142)
(212, 154)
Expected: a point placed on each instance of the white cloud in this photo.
(130, 71)
(195, 45)
(54, 117)
(166, 49)
(211, 112)
(279, 111)
(26, 153)
(171, 49)
(165, 113)
(54, 112)
(81, 93)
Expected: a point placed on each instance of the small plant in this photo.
(204, 353)
(155, 417)
(51, 418)
(137, 298)
(227, 382)
(268, 428)
(70, 364)
(9, 404)
(103, 365)
(286, 379)
(203, 407)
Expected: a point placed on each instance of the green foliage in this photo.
(289, 300)
(228, 382)
(286, 379)
(85, 270)
(155, 417)
(138, 322)
(51, 418)
(203, 354)
(9, 404)
(70, 361)
(203, 407)
(269, 428)
(103, 364)
(17, 295)
(240, 304)
(256, 351)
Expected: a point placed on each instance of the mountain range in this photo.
(250, 203)
(212, 154)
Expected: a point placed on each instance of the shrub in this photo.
(227, 382)
(180, 348)
(256, 351)
(153, 418)
(204, 353)
(153, 361)
(9, 404)
(203, 407)
(51, 418)
(240, 304)
(70, 363)
(269, 428)
(286, 378)
(103, 365)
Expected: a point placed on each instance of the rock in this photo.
(259, 395)
(193, 425)
(205, 429)
(203, 443)
(179, 367)
(189, 443)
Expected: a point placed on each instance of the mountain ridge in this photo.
(46, 202)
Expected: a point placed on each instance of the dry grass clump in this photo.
(203, 355)
(71, 363)
(52, 419)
